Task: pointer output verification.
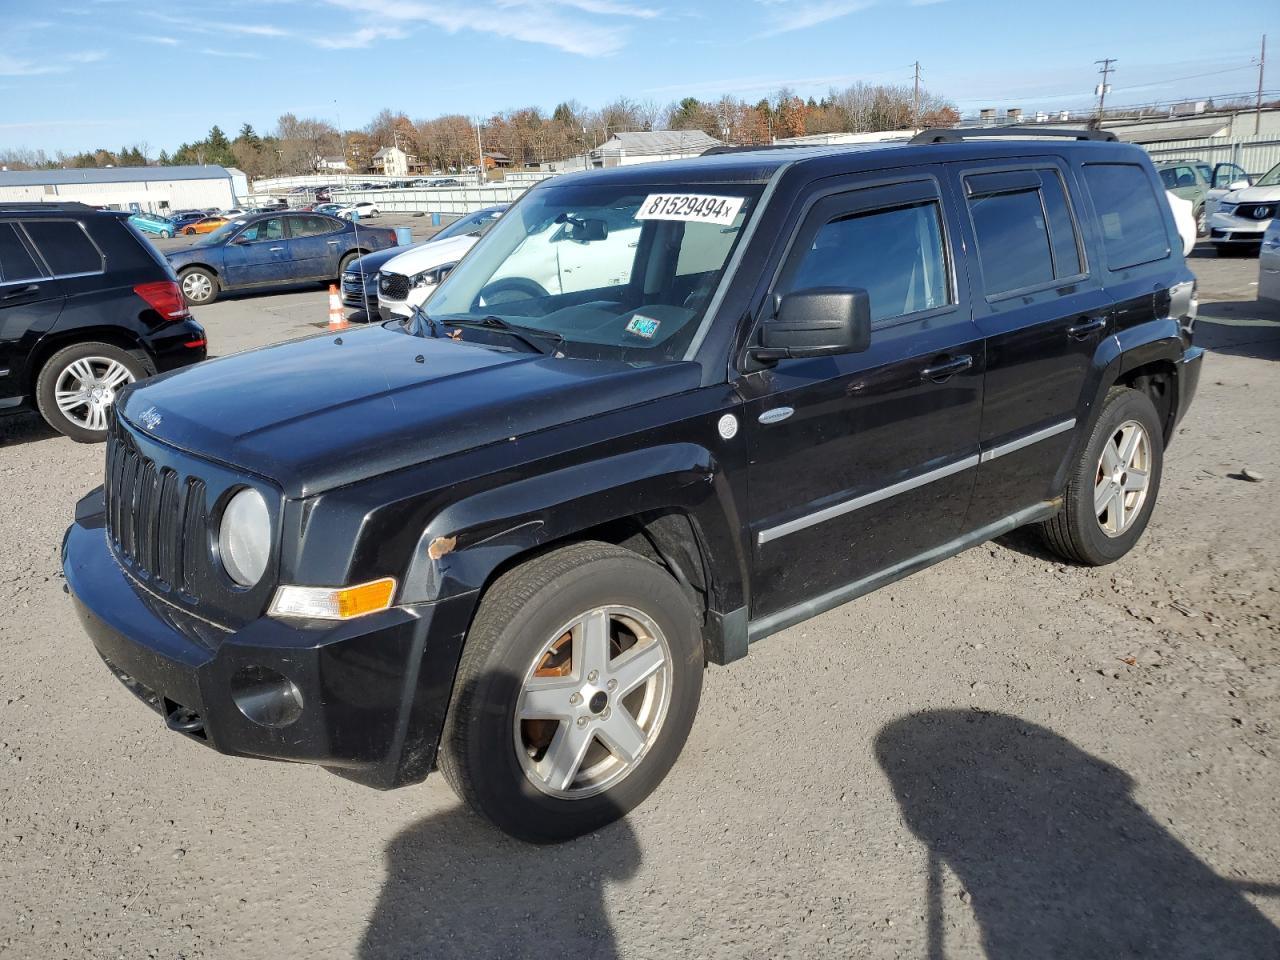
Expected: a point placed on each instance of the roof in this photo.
(386, 151)
(39, 178)
(649, 142)
(1192, 130)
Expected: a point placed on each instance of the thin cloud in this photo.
(87, 56)
(231, 54)
(359, 38)
(11, 66)
(563, 24)
(791, 15)
(153, 38)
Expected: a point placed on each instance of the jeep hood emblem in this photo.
(150, 418)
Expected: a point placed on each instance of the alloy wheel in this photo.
(1123, 477)
(87, 388)
(593, 702)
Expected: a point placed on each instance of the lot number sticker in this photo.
(700, 208)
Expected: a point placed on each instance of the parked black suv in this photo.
(86, 307)
(505, 537)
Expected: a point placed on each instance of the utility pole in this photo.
(479, 154)
(915, 102)
(1103, 88)
(1257, 109)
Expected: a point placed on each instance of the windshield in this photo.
(1271, 178)
(477, 223)
(619, 271)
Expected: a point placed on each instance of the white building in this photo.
(150, 189)
(645, 146)
(391, 161)
(332, 163)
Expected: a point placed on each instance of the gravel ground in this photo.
(1001, 757)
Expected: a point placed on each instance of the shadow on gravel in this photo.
(25, 427)
(1056, 857)
(457, 887)
(1241, 328)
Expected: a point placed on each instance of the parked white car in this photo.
(1242, 216)
(554, 260)
(1184, 216)
(1269, 263)
(363, 209)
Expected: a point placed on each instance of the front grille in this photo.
(155, 520)
(394, 286)
(353, 289)
(1256, 211)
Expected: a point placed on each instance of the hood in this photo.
(431, 254)
(327, 411)
(1253, 195)
(371, 263)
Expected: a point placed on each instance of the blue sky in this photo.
(76, 74)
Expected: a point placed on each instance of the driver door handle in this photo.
(275, 249)
(24, 291)
(941, 372)
(1090, 325)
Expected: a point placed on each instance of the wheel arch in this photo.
(52, 342)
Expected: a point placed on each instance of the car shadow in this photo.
(26, 427)
(1241, 328)
(1055, 856)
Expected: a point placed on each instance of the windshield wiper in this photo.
(527, 335)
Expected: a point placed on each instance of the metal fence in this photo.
(453, 201)
(1256, 155)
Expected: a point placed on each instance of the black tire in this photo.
(1202, 221)
(187, 279)
(519, 613)
(47, 382)
(1077, 533)
(347, 261)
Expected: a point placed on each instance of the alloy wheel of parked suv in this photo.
(78, 385)
(587, 662)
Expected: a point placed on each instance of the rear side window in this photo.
(16, 263)
(313, 226)
(1026, 235)
(1133, 230)
(896, 255)
(65, 246)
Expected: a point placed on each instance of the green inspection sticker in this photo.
(642, 326)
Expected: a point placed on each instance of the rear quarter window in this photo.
(65, 246)
(16, 262)
(1129, 213)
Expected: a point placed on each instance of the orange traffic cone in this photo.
(337, 317)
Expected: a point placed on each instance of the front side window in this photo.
(1133, 228)
(896, 255)
(65, 246)
(272, 229)
(607, 271)
(16, 263)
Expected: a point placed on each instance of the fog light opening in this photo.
(266, 697)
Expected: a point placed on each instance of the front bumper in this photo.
(1227, 228)
(372, 691)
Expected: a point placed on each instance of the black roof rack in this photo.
(726, 148)
(27, 206)
(960, 134)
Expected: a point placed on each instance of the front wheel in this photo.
(1202, 222)
(79, 383)
(1112, 489)
(199, 286)
(577, 688)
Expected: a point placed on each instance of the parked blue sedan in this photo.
(273, 249)
(154, 224)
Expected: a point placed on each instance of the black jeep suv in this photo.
(87, 306)
(658, 413)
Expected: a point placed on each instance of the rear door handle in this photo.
(334, 243)
(1082, 330)
(276, 249)
(26, 291)
(941, 372)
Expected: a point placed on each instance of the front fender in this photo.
(468, 540)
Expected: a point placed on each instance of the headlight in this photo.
(1226, 208)
(244, 537)
(429, 278)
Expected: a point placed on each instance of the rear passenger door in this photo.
(1042, 312)
(316, 244)
(30, 302)
(865, 460)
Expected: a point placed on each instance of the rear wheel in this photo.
(199, 286)
(347, 261)
(577, 688)
(78, 384)
(1202, 222)
(1113, 487)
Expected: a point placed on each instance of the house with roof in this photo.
(645, 146)
(392, 162)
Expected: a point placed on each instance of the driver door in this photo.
(260, 253)
(864, 461)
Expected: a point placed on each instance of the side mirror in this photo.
(1239, 185)
(239, 239)
(818, 322)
